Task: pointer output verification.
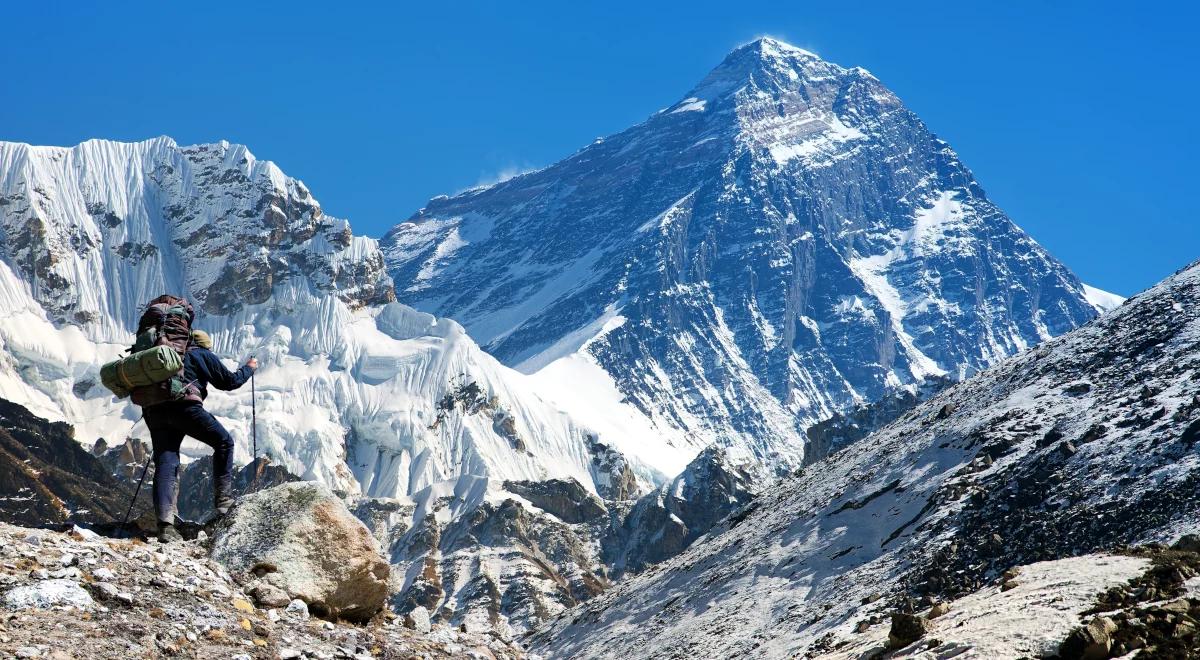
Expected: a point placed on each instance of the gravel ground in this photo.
(80, 595)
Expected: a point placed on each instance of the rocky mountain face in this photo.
(843, 429)
(786, 242)
(664, 522)
(47, 478)
(1080, 445)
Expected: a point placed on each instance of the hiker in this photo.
(171, 420)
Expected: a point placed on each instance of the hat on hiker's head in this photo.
(201, 339)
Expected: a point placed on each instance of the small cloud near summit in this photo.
(489, 179)
(505, 173)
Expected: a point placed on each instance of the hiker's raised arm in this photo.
(219, 376)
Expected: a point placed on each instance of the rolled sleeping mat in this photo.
(153, 365)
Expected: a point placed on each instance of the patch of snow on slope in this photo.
(690, 104)
(449, 236)
(573, 342)
(1102, 300)
(931, 223)
(872, 272)
(568, 376)
(665, 218)
(830, 133)
(1028, 621)
(929, 229)
(551, 286)
(775, 48)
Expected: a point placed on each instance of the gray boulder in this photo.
(47, 594)
(418, 620)
(1091, 642)
(906, 629)
(301, 539)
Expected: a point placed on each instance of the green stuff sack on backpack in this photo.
(148, 367)
(153, 373)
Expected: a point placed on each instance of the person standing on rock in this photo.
(169, 422)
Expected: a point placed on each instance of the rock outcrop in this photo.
(490, 558)
(566, 499)
(300, 539)
(666, 521)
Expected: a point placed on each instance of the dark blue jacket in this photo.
(202, 367)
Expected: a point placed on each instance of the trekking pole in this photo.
(254, 416)
(137, 491)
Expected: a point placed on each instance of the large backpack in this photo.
(167, 322)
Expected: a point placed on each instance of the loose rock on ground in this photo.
(135, 599)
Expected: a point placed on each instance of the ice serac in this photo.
(786, 241)
(364, 394)
(1085, 444)
(100, 228)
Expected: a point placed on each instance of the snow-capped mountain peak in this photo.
(786, 241)
(761, 61)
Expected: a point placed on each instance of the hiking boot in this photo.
(223, 506)
(167, 533)
(223, 494)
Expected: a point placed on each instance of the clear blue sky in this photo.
(1077, 117)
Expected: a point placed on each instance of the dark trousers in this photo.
(168, 423)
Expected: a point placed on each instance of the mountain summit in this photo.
(761, 59)
(786, 241)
